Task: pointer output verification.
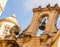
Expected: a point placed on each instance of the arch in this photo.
(42, 16)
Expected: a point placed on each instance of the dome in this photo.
(11, 19)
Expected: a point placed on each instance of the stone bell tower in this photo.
(50, 30)
(50, 36)
(39, 13)
(52, 14)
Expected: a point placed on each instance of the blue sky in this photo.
(23, 10)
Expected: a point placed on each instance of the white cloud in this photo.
(30, 4)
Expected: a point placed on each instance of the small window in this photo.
(6, 29)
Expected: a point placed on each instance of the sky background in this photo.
(23, 10)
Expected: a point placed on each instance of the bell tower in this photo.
(52, 14)
(39, 13)
(50, 36)
(49, 28)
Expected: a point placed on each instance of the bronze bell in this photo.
(42, 25)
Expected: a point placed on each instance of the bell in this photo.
(42, 25)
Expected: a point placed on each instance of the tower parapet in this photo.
(47, 8)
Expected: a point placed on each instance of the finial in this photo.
(56, 6)
(39, 6)
(14, 16)
(48, 5)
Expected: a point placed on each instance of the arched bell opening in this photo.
(43, 21)
(42, 25)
